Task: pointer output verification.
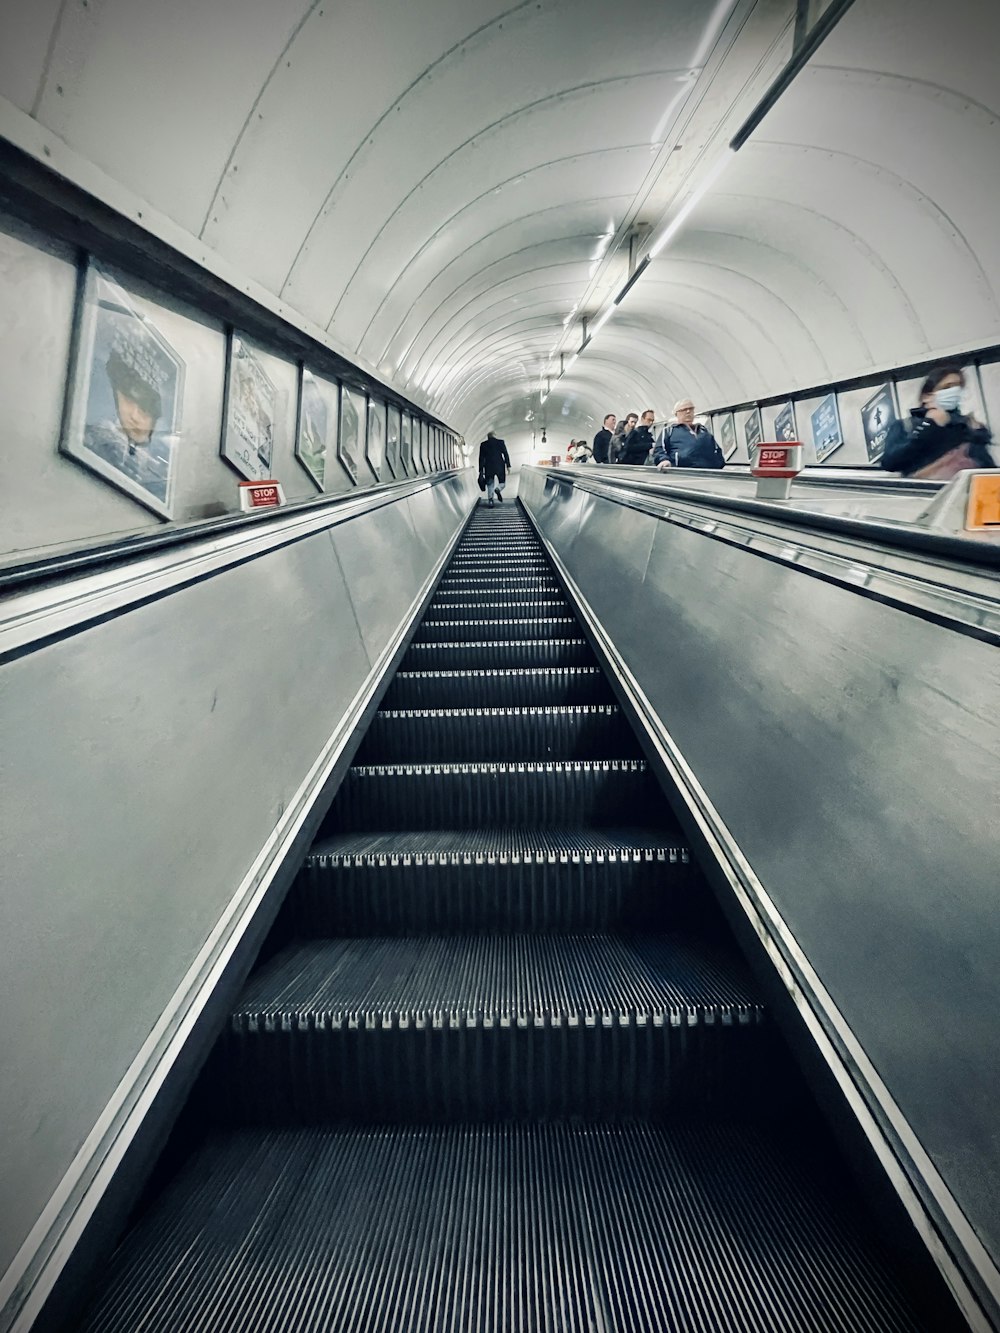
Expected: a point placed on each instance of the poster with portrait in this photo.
(406, 444)
(727, 435)
(375, 436)
(316, 426)
(123, 410)
(877, 416)
(249, 414)
(826, 432)
(392, 426)
(352, 408)
(753, 433)
(784, 424)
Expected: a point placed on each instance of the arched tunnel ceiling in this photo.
(447, 186)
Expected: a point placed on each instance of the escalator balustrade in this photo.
(502, 1068)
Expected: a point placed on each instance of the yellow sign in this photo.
(982, 513)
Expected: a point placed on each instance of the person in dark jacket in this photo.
(687, 443)
(603, 439)
(637, 442)
(493, 464)
(618, 434)
(939, 440)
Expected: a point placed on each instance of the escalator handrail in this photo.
(870, 532)
(94, 556)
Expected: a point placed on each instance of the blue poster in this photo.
(877, 416)
(753, 432)
(826, 432)
(784, 424)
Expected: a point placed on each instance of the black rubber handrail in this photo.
(915, 541)
(90, 556)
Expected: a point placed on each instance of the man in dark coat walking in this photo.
(493, 464)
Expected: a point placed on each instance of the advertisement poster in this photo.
(406, 445)
(375, 438)
(877, 416)
(753, 432)
(248, 425)
(352, 405)
(126, 393)
(392, 426)
(784, 424)
(727, 435)
(317, 420)
(826, 432)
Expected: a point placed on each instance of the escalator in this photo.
(500, 1065)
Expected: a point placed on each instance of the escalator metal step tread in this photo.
(495, 794)
(439, 884)
(538, 978)
(494, 628)
(686, 1226)
(523, 686)
(561, 731)
(541, 845)
(490, 653)
(480, 1027)
(507, 609)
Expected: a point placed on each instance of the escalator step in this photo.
(479, 654)
(495, 795)
(462, 631)
(549, 1228)
(506, 607)
(573, 731)
(516, 685)
(473, 597)
(511, 880)
(472, 1027)
(513, 579)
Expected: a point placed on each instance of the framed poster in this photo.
(375, 437)
(248, 414)
(784, 424)
(352, 408)
(316, 424)
(753, 432)
(392, 425)
(126, 392)
(877, 415)
(406, 444)
(826, 432)
(417, 445)
(727, 435)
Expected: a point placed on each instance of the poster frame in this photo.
(304, 370)
(874, 459)
(347, 462)
(735, 442)
(392, 453)
(755, 415)
(240, 466)
(788, 409)
(375, 409)
(80, 383)
(830, 397)
(406, 443)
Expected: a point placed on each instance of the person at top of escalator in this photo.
(602, 440)
(687, 443)
(494, 461)
(616, 444)
(939, 440)
(637, 441)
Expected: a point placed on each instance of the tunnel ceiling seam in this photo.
(504, 121)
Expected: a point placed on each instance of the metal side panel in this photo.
(158, 763)
(851, 751)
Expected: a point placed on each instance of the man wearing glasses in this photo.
(687, 443)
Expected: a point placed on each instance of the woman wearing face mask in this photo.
(939, 440)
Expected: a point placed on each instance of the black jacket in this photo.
(913, 445)
(636, 445)
(601, 441)
(494, 460)
(683, 446)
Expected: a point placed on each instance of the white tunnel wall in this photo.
(443, 190)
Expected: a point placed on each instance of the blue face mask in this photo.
(949, 400)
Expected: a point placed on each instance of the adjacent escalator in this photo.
(500, 1066)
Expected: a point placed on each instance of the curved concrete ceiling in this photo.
(447, 187)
